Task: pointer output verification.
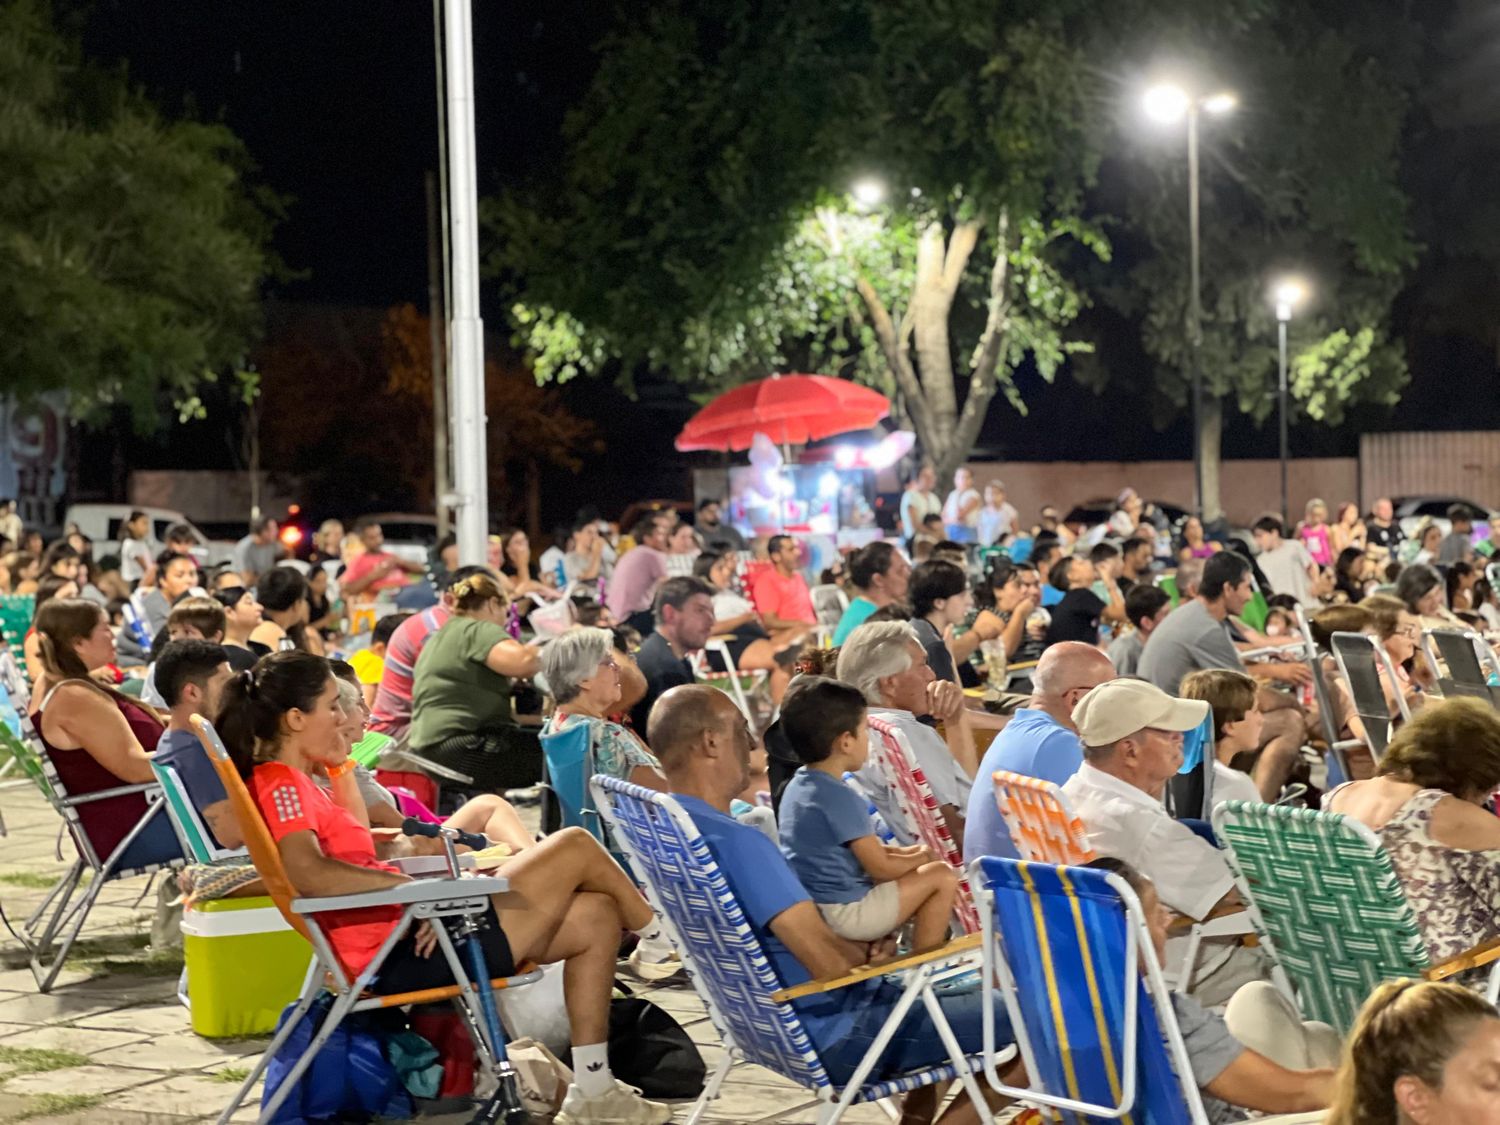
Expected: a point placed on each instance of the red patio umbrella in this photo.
(788, 409)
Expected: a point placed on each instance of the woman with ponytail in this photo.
(96, 738)
(1421, 1053)
(281, 723)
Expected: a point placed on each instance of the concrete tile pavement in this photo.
(120, 1048)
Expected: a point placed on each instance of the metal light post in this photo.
(1169, 104)
(466, 329)
(1288, 293)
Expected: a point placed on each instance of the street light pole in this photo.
(466, 329)
(1195, 308)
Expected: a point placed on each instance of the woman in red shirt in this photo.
(280, 722)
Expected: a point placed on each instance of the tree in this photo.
(701, 225)
(131, 248)
(682, 230)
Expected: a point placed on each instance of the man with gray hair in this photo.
(1132, 732)
(1039, 741)
(887, 663)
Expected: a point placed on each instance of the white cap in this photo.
(1119, 708)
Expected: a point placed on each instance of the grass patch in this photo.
(51, 1105)
(234, 1074)
(29, 880)
(37, 1060)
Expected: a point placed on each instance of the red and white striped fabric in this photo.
(893, 757)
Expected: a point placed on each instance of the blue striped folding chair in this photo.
(732, 974)
(1068, 950)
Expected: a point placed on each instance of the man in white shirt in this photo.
(1285, 562)
(1132, 746)
(887, 663)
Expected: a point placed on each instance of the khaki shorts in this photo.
(869, 919)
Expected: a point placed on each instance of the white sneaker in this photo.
(621, 1106)
(654, 971)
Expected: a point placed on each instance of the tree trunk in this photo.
(1210, 441)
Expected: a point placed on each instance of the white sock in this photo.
(651, 931)
(655, 948)
(591, 1073)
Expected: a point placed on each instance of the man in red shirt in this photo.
(780, 592)
(376, 569)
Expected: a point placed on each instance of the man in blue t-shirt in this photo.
(1039, 741)
(190, 675)
(704, 745)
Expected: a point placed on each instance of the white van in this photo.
(104, 525)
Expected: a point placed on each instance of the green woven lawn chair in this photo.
(16, 612)
(1167, 583)
(1329, 908)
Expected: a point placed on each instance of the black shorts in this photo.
(500, 759)
(404, 971)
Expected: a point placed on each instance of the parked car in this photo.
(102, 523)
(1412, 510)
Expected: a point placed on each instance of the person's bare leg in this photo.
(1281, 744)
(546, 876)
(963, 1111)
(586, 943)
(918, 1106)
(493, 816)
(926, 897)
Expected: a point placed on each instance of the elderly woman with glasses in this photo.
(583, 673)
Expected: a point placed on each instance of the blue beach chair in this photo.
(734, 977)
(1068, 950)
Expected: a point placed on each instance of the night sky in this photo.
(336, 102)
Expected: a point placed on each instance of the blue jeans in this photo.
(915, 1044)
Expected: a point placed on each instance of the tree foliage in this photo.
(698, 223)
(131, 248)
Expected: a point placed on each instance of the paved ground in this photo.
(111, 1043)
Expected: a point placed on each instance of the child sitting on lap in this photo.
(865, 889)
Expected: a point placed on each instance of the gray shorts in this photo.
(869, 919)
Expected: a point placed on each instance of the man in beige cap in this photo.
(1132, 746)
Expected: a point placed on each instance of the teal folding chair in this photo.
(567, 767)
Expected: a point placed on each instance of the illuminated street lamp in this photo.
(868, 192)
(1288, 293)
(1168, 104)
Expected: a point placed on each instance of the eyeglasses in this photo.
(610, 663)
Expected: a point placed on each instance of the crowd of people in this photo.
(1079, 656)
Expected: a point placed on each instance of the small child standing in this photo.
(1237, 723)
(865, 889)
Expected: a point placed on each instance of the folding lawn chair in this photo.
(735, 979)
(1361, 659)
(829, 603)
(1045, 830)
(1457, 660)
(420, 899)
(741, 686)
(569, 766)
(1329, 908)
(892, 756)
(1338, 764)
(16, 612)
(60, 914)
(1068, 950)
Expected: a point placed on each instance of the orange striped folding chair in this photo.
(913, 795)
(1041, 825)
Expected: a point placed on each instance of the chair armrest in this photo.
(959, 947)
(405, 894)
(1021, 666)
(419, 764)
(1482, 954)
(106, 794)
(1181, 922)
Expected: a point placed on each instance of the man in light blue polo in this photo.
(1039, 741)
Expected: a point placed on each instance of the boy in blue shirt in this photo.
(865, 889)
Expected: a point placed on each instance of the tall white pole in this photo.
(466, 329)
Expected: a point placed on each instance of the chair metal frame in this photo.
(736, 689)
(1349, 646)
(792, 1054)
(1463, 655)
(419, 900)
